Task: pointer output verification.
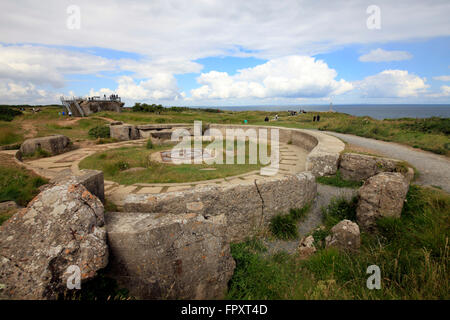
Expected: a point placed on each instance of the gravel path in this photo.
(434, 169)
(314, 218)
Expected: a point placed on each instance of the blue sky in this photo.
(224, 53)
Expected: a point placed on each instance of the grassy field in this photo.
(114, 164)
(44, 123)
(17, 184)
(412, 253)
(431, 134)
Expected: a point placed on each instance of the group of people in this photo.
(315, 118)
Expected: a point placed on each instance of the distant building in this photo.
(82, 107)
(331, 107)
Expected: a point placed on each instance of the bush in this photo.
(340, 209)
(99, 132)
(149, 144)
(123, 165)
(8, 114)
(283, 227)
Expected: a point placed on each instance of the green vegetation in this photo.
(430, 134)
(157, 108)
(285, 226)
(18, 185)
(149, 144)
(100, 288)
(337, 181)
(99, 132)
(7, 113)
(9, 135)
(412, 253)
(114, 162)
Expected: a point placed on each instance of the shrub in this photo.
(149, 144)
(283, 227)
(340, 209)
(8, 114)
(123, 165)
(99, 132)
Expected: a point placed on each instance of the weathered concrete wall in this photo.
(90, 107)
(92, 180)
(55, 144)
(247, 207)
(355, 166)
(124, 132)
(182, 256)
(324, 149)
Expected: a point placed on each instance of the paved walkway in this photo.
(434, 169)
(292, 160)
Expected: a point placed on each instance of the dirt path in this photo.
(434, 169)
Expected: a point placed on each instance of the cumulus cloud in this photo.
(287, 77)
(192, 30)
(16, 93)
(161, 86)
(445, 92)
(442, 78)
(380, 55)
(42, 65)
(392, 84)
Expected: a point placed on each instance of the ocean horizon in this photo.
(376, 111)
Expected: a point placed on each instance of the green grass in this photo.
(412, 253)
(430, 134)
(284, 227)
(9, 135)
(18, 185)
(100, 288)
(337, 181)
(114, 162)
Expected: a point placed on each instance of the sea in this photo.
(376, 111)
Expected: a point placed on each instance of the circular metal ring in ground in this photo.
(186, 155)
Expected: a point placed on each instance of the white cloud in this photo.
(41, 65)
(161, 86)
(189, 30)
(442, 78)
(18, 93)
(392, 84)
(288, 77)
(380, 55)
(445, 92)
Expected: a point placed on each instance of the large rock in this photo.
(306, 247)
(52, 144)
(358, 167)
(322, 163)
(345, 236)
(171, 256)
(61, 227)
(92, 180)
(124, 132)
(382, 195)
